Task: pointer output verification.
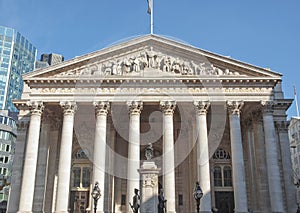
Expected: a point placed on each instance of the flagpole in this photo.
(296, 101)
(151, 17)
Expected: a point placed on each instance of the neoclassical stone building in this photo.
(208, 117)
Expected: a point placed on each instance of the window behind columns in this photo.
(81, 175)
(222, 181)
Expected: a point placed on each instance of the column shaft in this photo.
(29, 172)
(65, 157)
(133, 176)
(275, 188)
(17, 167)
(203, 156)
(168, 155)
(100, 150)
(238, 168)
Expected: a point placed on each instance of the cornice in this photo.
(66, 82)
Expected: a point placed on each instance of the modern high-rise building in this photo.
(17, 56)
(48, 60)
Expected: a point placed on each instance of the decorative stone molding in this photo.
(168, 107)
(36, 107)
(150, 180)
(202, 107)
(69, 107)
(267, 107)
(102, 107)
(135, 107)
(282, 126)
(234, 107)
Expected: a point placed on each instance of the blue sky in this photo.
(265, 33)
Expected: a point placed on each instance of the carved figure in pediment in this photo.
(202, 69)
(126, 66)
(195, 68)
(176, 67)
(85, 71)
(166, 64)
(108, 68)
(143, 61)
(152, 58)
(218, 71)
(119, 67)
(135, 62)
(114, 69)
(93, 69)
(186, 69)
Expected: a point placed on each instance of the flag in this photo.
(295, 91)
(149, 6)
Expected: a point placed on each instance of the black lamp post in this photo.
(198, 194)
(96, 195)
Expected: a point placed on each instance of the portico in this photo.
(198, 114)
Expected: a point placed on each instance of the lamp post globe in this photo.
(198, 194)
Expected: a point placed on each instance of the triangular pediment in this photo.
(151, 56)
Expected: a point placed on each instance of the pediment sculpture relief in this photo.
(144, 61)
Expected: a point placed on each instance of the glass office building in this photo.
(17, 56)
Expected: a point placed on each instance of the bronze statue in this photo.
(135, 201)
(161, 202)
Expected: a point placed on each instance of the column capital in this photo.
(168, 107)
(101, 107)
(36, 107)
(267, 106)
(135, 107)
(234, 107)
(69, 107)
(202, 107)
(282, 126)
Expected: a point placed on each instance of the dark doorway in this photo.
(79, 201)
(224, 202)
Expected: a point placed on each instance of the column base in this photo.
(24, 211)
(241, 212)
(170, 211)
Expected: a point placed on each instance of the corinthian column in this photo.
(238, 168)
(99, 163)
(29, 172)
(168, 108)
(275, 188)
(133, 176)
(65, 157)
(203, 156)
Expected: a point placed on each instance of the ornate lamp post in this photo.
(198, 194)
(96, 195)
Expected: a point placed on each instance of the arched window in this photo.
(81, 170)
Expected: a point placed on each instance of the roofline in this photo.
(146, 37)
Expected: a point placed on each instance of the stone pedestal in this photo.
(149, 192)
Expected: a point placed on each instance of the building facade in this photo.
(294, 135)
(49, 59)
(17, 56)
(209, 118)
(8, 135)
